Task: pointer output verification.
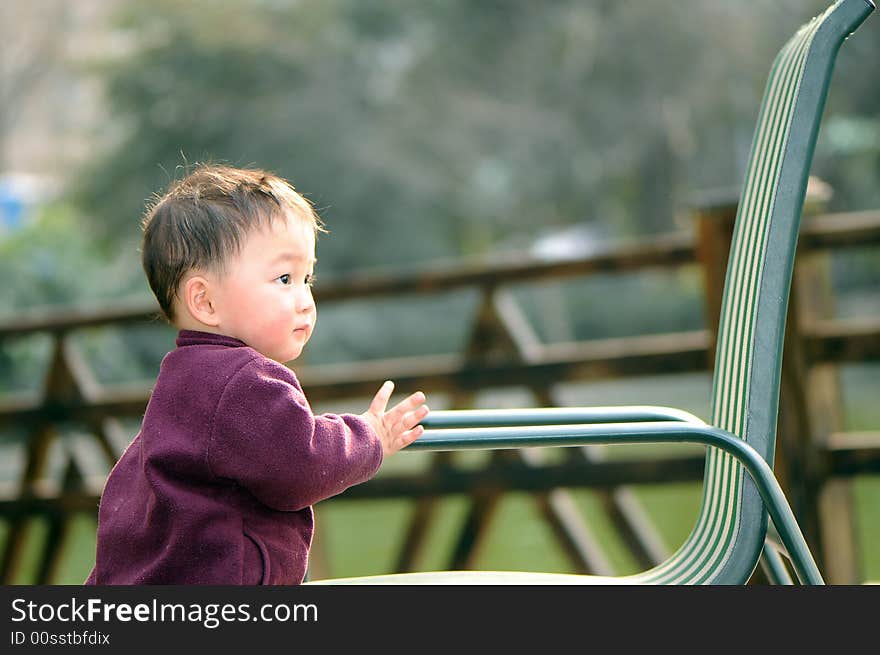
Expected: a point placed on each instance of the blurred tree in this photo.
(440, 129)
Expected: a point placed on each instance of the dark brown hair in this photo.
(202, 220)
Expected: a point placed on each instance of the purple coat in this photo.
(217, 486)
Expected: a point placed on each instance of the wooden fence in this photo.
(816, 461)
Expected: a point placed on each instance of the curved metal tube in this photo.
(774, 567)
(478, 418)
(520, 436)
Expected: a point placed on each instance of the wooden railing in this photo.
(816, 461)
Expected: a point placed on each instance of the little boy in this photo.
(218, 485)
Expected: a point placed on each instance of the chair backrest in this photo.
(727, 539)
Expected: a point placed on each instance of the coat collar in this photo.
(198, 338)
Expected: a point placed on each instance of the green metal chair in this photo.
(739, 488)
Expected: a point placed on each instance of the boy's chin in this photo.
(289, 356)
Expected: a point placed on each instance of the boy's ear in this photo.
(196, 296)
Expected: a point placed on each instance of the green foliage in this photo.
(441, 129)
(53, 261)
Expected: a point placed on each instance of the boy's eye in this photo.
(284, 279)
(310, 279)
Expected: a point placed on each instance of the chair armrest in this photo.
(476, 418)
(580, 434)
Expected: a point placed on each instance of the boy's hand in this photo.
(399, 426)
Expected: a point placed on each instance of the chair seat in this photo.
(476, 578)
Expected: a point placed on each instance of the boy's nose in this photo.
(306, 304)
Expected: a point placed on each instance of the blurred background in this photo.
(429, 136)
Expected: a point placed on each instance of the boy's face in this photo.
(265, 296)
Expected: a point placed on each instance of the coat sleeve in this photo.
(265, 438)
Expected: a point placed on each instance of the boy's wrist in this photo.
(374, 423)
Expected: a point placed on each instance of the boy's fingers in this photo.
(406, 438)
(406, 405)
(411, 419)
(380, 400)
